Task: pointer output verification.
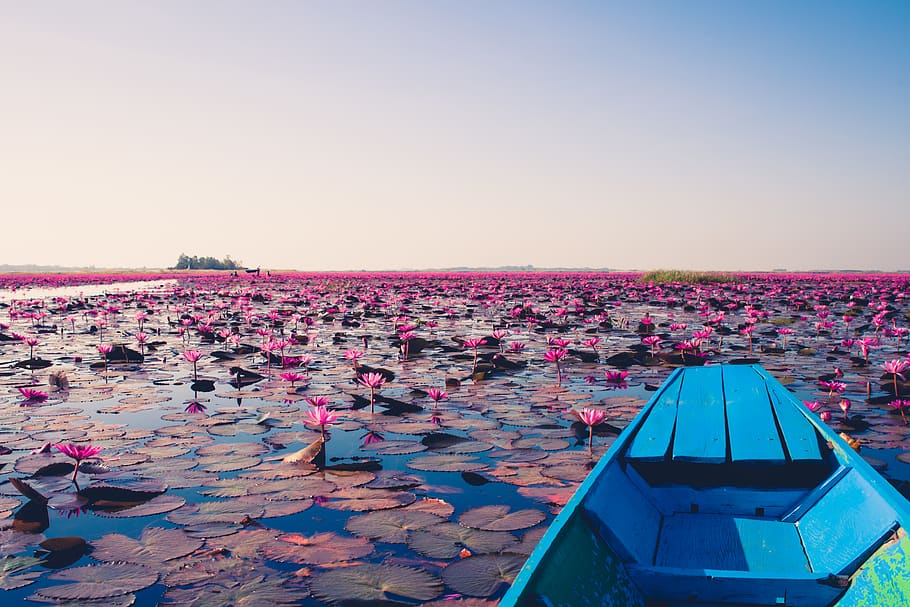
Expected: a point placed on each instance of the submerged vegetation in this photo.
(687, 277)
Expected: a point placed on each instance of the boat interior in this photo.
(726, 494)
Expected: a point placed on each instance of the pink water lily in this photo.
(371, 381)
(320, 416)
(354, 356)
(616, 377)
(896, 368)
(78, 452)
(194, 406)
(844, 406)
(900, 405)
(293, 377)
(437, 395)
(652, 341)
(33, 396)
(193, 356)
(590, 417)
(555, 355)
(474, 342)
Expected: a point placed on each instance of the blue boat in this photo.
(725, 490)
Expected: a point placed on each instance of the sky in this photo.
(345, 135)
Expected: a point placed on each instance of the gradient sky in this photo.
(389, 135)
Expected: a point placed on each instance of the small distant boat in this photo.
(725, 490)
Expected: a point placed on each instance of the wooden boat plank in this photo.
(701, 425)
(816, 494)
(753, 433)
(799, 434)
(706, 586)
(652, 441)
(716, 541)
(846, 525)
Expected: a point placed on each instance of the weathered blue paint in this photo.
(799, 434)
(652, 441)
(754, 437)
(701, 424)
(653, 539)
(714, 541)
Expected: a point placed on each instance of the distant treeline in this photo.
(187, 262)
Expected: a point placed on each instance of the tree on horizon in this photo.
(186, 262)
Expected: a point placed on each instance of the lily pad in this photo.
(14, 571)
(391, 526)
(375, 584)
(156, 545)
(259, 591)
(446, 541)
(99, 581)
(318, 549)
(498, 518)
(482, 575)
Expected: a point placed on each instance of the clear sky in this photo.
(387, 135)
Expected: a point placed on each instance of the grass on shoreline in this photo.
(686, 277)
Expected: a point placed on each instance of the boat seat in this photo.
(847, 522)
(725, 415)
(716, 541)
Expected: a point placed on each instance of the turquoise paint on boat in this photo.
(790, 515)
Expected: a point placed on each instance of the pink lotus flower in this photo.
(825, 416)
(832, 387)
(353, 356)
(194, 406)
(590, 417)
(77, 452)
(813, 406)
(320, 416)
(31, 342)
(896, 368)
(193, 356)
(516, 346)
(474, 342)
(293, 377)
(900, 405)
(371, 381)
(554, 356)
(33, 396)
(616, 377)
(653, 341)
(592, 343)
(437, 395)
(317, 401)
(844, 406)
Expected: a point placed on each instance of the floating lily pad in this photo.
(156, 545)
(446, 463)
(259, 591)
(14, 571)
(318, 549)
(498, 518)
(361, 500)
(99, 581)
(446, 541)
(391, 526)
(482, 575)
(375, 584)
